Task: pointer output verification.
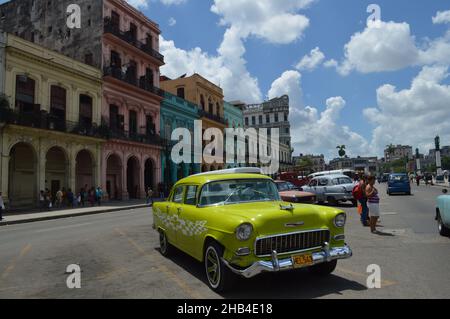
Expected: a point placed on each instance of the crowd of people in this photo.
(68, 199)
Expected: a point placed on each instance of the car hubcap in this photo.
(212, 267)
(163, 242)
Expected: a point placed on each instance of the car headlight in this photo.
(244, 232)
(339, 220)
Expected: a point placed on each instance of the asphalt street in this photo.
(119, 258)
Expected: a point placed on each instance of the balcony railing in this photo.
(212, 117)
(44, 120)
(126, 36)
(142, 83)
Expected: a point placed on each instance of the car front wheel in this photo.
(443, 231)
(219, 276)
(323, 269)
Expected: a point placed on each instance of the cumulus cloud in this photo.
(312, 130)
(390, 46)
(412, 116)
(271, 20)
(138, 3)
(311, 61)
(172, 22)
(442, 17)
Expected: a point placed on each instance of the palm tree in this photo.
(341, 149)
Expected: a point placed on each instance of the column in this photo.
(98, 168)
(438, 163)
(125, 195)
(4, 170)
(142, 190)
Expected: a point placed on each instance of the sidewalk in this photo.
(36, 215)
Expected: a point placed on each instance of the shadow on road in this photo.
(296, 284)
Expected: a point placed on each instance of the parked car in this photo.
(235, 223)
(332, 189)
(291, 193)
(385, 178)
(399, 183)
(443, 214)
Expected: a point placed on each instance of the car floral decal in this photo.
(187, 227)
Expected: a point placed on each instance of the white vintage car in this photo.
(332, 189)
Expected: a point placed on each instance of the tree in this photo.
(446, 163)
(341, 149)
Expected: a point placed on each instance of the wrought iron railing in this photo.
(127, 36)
(213, 117)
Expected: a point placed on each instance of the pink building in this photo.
(131, 101)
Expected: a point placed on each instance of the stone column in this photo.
(4, 170)
(142, 190)
(438, 163)
(73, 172)
(125, 195)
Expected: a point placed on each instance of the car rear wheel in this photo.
(443, 231)
(219, 276)
(164, 247)
(332, 201)
(323, 269)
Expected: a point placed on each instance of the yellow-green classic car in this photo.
(235, 223)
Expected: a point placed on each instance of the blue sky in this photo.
(385, 84)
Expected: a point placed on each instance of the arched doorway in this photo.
(84, 170)
(22, 183)
(133, 186)
(114, 177)
(149, 175)
(56, 170)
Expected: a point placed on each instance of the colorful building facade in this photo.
(209, 97)
(234, 119)
(51, 135)
(176, 112)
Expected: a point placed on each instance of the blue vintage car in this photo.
(399, 183)
(443, 213)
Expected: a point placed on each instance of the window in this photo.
(246, 121)
(151, 130)
(149, 41)
(202, 102)
(133, 123)
(260, 119)
(191, 196)
(114, 117)
(253, 120)
(133, 32)
(210, 107)
(89, 59)
(115, 19)
(85, 110)
(180, 92)
(276, 117)
(178, 195)
(285, 117)
(313, 183)
(58, 103)
(116, 61)
(25, 91)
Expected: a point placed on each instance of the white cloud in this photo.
(172, 22)
(143, 4)
(311, 61)
(412, 116)
(172, 2)
(390, 46)
(332, 63)
(442, 17)
(138, 3)
(312, 130)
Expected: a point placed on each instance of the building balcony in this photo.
(142, 82)
(128, 37)
(138, 136)
(212, 117)
(45, 121)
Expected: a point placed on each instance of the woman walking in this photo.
(373, 202)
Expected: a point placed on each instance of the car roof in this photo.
(331, 176)
(203, 179)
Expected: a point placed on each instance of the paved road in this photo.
(119, 259)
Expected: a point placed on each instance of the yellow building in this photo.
(51, 136)
(209, 97)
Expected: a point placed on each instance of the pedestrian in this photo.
(70, 198)
(418, 180)
(59, 198)
(41, 200)
(91, 197)
(99, 195)
(149, 196)
(359, 193)
(2, 206)
(82, 196)
(48, 199)
(373, 200)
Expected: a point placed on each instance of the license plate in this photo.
(302, 260)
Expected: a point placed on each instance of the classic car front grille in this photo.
(291, 242)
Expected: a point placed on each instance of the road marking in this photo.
(173, 276)
(384, 283)
(12, 265)
(62, 227)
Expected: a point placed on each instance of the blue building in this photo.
(234, 119)
(176, 113)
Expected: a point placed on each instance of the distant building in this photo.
(363, 165)
(273, 114)
(317, 161)
(394, 153)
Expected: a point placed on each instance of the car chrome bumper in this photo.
(275, 265)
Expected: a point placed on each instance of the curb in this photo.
(70, 215)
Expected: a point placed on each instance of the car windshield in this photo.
(283, 187)
(342, 181)
(238, 191)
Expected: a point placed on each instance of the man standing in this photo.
(99, 195)
(2, 206)
(149, 196)
(359, 193)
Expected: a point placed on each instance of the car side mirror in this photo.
(445, 191)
